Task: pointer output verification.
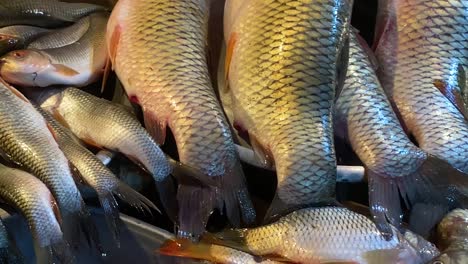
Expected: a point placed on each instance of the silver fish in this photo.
(394, 165)
(18, 37)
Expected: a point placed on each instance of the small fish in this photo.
(78, 64)
(44, 13)
(210, 252)
(93, 172)
(452, 239)
(34, 201)
(394, 165)
(25, 139)
(422, 48)
(104, 124)
(62, 37)
(18, 37)
(326, 235)
(9, 253)
(282, 64)
(158, 51)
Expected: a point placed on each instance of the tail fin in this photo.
(185, 248)
(435, 182)
(432, 215)
(277, 209)
(111, 213)
(59, 252)
(196, 203)
(74, 223)
(233, 238)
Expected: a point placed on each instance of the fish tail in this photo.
(167, 194)
(133, 198)
(435, 183)
(59, 252)
(78, 222)
(186, 248)
(111, 213)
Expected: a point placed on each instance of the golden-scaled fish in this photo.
(93, 172)
(79, 63)
(394, 165)
(44, 13)
(422, 48)
(210, 252)
(282, 63)
(327, 235)
(452, 238)
(18, 37)
(158, 50)
(33, 200)
(104, 124)
(62, 37)
(26, 140)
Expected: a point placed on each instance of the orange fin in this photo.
(14, 90)
(65, 70)
(114, 43)
(156, 128)
(186, 248)
(229, 53)
(105, 77)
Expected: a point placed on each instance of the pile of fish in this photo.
(293, 77)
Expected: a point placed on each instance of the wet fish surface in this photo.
(18, 37)
(283, 88)
(422, 45)
(394, 164)
(165, 44)
(44, 13)
(79, 63)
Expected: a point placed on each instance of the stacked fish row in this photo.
(296, 75)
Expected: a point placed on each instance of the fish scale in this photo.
(282, 81)
(158, 50)
(429, 46)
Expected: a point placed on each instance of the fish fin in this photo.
(196, 204)
(396, 256)
(105, 77)
(156, 128)
(233, 238)
(264, 155)
(453, 94)
(186, 248)
(425, 185)
(432, 215)
(276, 210)
(229, 53)
(134, 198)
(186, 174)
(65, 70)
(111, 213)
(114, 44)
(358, 208)
(59, 252)
(76, 223)
(386, 24)
(15, 91)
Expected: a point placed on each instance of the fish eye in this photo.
(18, 54)
(438, 262)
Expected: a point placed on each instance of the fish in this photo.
(394, 165)
(26, 140)
(62, 37)
(95, 174)
(17, 37)
(282, 62)
(158, 51)
(78, 64)
(452, 232)
(420, 45)
(30, 197)
(104, 124)
(325, 235)
(210, 252)
(8, 251)
(46, 13)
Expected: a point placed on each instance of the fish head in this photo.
(8, 43)
(21, 67)
(451, 257)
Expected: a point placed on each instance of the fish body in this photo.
(393, 163)
(326, 235)
(79, 63)
(421, 44)
(17, 37)
(26, 140)
(452, 234)
(34, 201)
(47, 13)
(165, 42)
(95, 174)
(62, 37)
(282, 60)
